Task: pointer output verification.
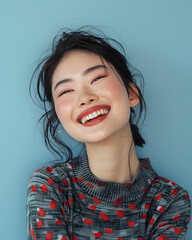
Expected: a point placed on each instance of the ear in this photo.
(133, 99)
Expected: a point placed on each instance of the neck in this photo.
(114, 159)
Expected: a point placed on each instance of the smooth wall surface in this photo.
(157, 36)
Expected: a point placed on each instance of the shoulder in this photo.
(52, 175)
(167, 192)
(169, 207)
(169, 187)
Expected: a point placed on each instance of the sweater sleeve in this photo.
(174, 220)
(46, 208)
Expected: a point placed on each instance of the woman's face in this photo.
(81, 81)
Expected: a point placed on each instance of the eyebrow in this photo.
(87, 71)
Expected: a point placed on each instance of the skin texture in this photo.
(108, 142)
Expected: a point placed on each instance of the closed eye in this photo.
(65, 92)
(98, 78)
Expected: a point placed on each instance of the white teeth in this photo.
(93, 115)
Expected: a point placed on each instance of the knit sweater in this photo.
(66, 201)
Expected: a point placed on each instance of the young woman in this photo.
(107, 192)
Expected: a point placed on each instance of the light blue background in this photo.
(157, 36)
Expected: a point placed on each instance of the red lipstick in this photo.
(91, 110)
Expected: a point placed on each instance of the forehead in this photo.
(75, 62)
(75, 55)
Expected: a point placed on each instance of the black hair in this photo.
(95, 41)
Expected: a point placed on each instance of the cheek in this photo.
(119, 96)
(116, 89)
(62, 110)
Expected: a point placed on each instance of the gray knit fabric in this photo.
(66, 201)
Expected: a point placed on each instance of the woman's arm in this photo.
(47, 213)
(174, 219)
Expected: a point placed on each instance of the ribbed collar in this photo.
(112, 191)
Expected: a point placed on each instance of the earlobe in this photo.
(133, 99)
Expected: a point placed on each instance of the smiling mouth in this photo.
(95, 115)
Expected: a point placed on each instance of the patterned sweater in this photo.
(66, 201)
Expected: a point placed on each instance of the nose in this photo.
(86, 99)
